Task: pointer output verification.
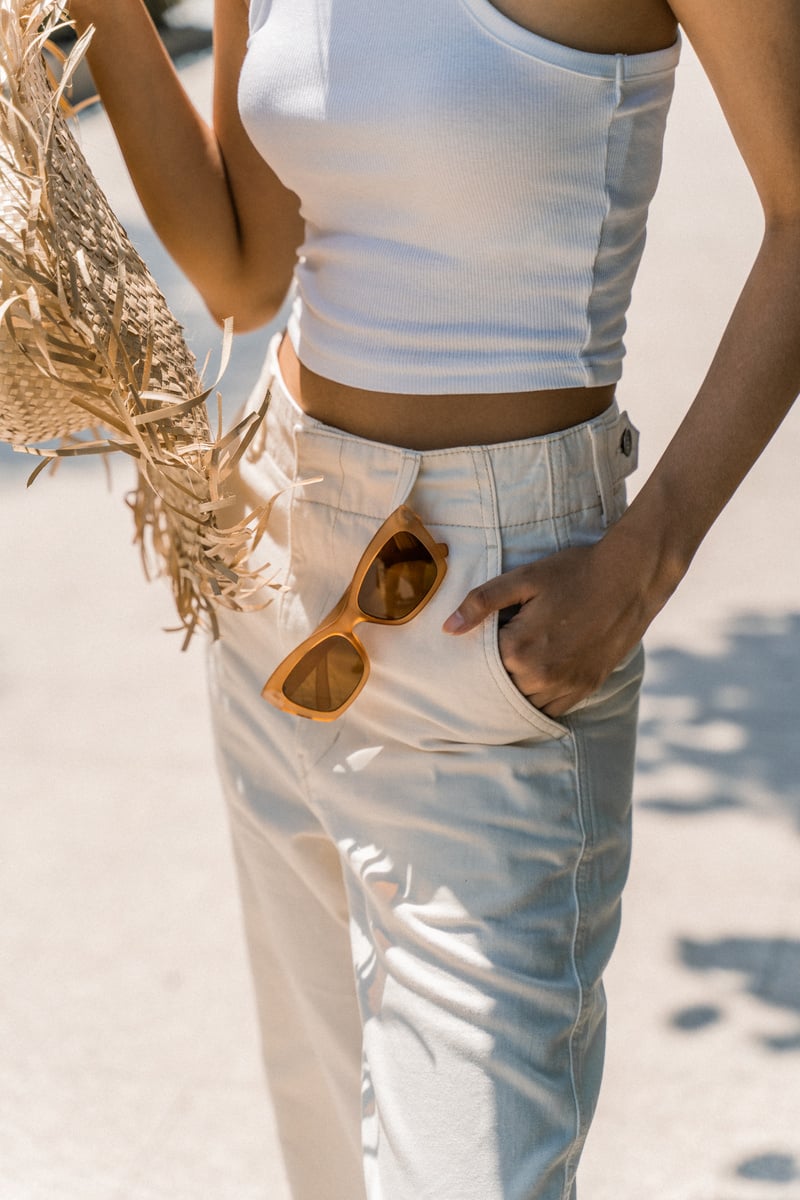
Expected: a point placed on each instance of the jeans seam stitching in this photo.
(574, 960)
(348, 512)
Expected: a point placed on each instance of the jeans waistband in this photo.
(531, 478)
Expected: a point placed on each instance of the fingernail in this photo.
(454, 623)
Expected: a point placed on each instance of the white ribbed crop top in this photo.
(474, 196)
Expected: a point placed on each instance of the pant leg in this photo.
(293, 900)
(297, 929)
(482, 846)
(484, 885)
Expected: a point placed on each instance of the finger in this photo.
(555, 707)
(501, 592)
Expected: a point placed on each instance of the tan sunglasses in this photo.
(397, 575)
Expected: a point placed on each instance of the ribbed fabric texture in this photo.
(475, 196)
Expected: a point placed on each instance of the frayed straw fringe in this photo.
(87, 342)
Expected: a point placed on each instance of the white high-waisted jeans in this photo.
(431, 883)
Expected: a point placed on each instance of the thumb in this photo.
(501, 592)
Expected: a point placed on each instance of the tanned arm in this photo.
(220, 211)
(584, 609)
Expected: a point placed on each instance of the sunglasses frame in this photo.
(347, 613)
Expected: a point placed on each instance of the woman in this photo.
(458, 191)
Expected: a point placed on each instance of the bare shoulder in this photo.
(598, 26)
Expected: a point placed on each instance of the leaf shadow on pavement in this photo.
(718, 734)
(770, 1168)
(719, 730)
(769, 971)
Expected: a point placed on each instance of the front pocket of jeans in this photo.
(433, 689)
(518, 704)
(456, 687)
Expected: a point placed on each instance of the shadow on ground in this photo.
(770, 1168)
(718, 734)
(719, 731)
(768, 969)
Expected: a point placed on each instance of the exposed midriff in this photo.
(435, 422)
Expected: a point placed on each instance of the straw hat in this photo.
(88, 343)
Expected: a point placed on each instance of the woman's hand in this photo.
(581, 611)
(584, 609)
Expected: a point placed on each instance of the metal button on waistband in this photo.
(626, 442)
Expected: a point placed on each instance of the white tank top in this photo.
(474, 196)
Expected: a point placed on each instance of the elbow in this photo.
(244, 320)
(781, 208)
(781, 237)
(251, 302)
(248, 312)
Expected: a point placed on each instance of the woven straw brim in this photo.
(87, 341)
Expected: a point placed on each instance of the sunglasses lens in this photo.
(326, 676)
(399, 578)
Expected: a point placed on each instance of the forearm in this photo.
(751, 384)
(176, 163)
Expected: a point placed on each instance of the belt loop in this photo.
(489, 503)
(615, 456)
(625, 441)
(406, 478)
(599, 438)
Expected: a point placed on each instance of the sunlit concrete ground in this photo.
(129, 1065)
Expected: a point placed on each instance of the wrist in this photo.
(652, 550)
(82, 14)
